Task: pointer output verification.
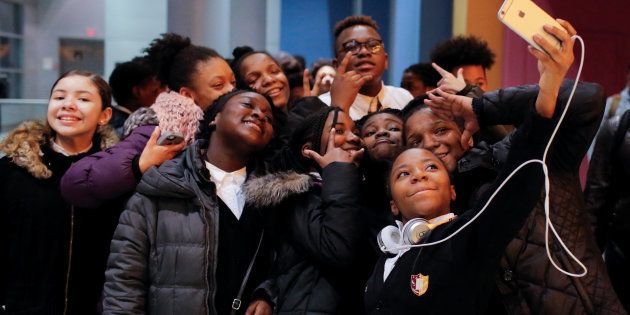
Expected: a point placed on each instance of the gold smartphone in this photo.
(525, 18)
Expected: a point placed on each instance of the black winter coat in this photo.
(164, 252)
(608, 201)
(53, 254)
(527, 281)
(458, 274)
(317, 239)
(607, 187)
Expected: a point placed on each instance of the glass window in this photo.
(10, 49)
(10, 17)
(10, 52)
(10, 84)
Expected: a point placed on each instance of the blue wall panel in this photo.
(405, 47)
(307, 26)
(305, 29)
(436, 25)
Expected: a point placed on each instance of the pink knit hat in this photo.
(178, 113)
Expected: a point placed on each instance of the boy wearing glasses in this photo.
(358, 36)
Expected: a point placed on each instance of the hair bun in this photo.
(240, 51)
(162, 51)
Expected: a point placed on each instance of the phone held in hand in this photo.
(170, 137)
(525, 18)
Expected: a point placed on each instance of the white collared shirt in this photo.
(389, 97)
(229, 187)
(390, 263)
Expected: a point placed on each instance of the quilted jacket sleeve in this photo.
(127, 276)
(512, 105)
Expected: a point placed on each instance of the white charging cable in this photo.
(548, 225)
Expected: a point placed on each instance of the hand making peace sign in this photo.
(334, 153)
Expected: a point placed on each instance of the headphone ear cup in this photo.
(415, 231)
(388, 239)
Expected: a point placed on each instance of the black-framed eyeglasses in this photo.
(353, 46)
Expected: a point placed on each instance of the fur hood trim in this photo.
(141, 117)
(22, 145)
(272, 189)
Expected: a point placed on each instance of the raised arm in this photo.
(116, 171)
(327, 229)
(107, 174)
(506, 213)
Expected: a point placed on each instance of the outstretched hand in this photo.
(346, 85)
(306, 84)
(450, 83)
(154, 154)
(334, 153)
(553, 65)
(448, 106)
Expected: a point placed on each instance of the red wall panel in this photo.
(605, 28)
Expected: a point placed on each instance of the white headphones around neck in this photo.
(390, 240)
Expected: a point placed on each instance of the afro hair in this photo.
(462, 51)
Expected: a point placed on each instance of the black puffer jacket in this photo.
(528, 283)
(608, 174)
(164, 252)
(52, 254)
(607, 199)
(317, 242)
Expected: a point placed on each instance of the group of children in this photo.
(275, 206)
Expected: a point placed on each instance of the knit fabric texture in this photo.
(177, 113)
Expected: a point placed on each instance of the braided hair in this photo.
(310, 130)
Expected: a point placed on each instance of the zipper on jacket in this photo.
(67, 288)
(207, 262)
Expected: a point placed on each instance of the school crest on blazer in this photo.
(419, 284)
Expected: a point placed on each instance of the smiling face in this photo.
(211, 79)
(245, 122)
(420, 186)
(326, 75)
(75, 108)
(364, 61)
(382, 136)
(345, 133)
(423, 129)
(265, 76)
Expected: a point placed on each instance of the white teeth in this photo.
(253, 125)
(274, 91)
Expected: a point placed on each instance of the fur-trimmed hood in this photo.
(272, 189)
(180, 177)
(23, 143)
(186, 176)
